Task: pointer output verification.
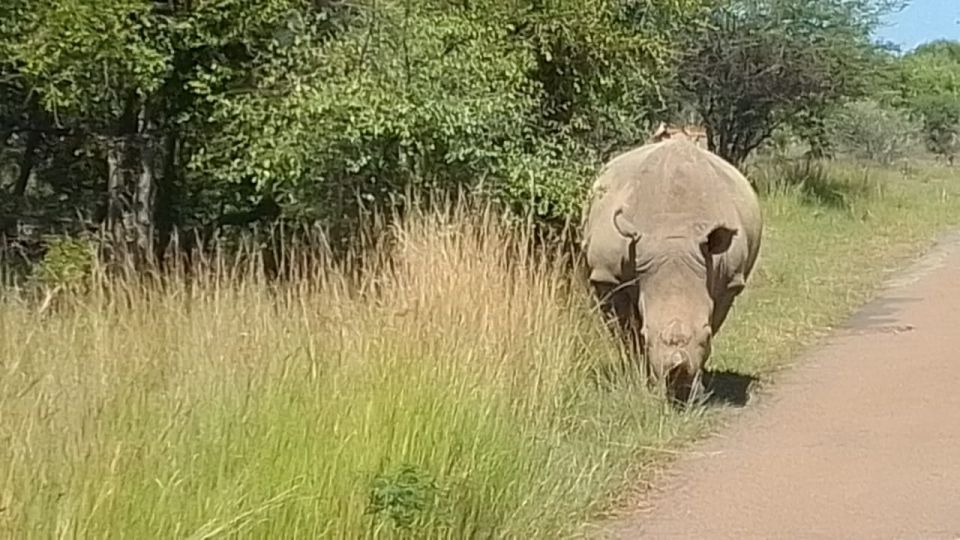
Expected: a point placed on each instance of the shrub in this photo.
(67, 264)
(941, 124)
(871, 131)
(816, 182)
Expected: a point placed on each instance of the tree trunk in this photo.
(4, 139)
(131, 187)
(167, 194)
(27, 164)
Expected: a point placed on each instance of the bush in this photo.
(871, 131)
(816, 182)
(928, 86)
(941, 124)
(67, 264)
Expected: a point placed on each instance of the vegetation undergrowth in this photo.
(454, 386)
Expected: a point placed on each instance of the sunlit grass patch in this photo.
(451, 386)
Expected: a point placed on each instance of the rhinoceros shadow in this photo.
(727, 388)
(721, 388)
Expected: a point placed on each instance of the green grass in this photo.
(820, 261)
(448, 389)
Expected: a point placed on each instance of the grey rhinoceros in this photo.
(671, 233)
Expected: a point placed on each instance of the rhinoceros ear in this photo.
(719, 238)
(624, 227)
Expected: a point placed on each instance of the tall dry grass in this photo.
(454, 384)
(448, 387)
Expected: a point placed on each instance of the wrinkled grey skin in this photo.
(671, 234)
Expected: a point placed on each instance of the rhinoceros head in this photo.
(674, 270)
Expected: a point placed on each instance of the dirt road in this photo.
(860, 440)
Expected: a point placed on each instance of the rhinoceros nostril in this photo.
(677, 359)
(676, 369)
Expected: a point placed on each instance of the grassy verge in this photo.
(450, 389)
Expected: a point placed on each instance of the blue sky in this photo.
(922, 21)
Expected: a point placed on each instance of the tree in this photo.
(764, 63)
(930, 87)
(505, 97)
(167, 114)
(93, 66)
(138, 78)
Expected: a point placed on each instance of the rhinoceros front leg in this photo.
(618, 305)
(723, 303)
(721, 308)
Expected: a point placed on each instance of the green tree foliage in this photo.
(761, 64)
(146, 116)
(228, 112)
(402, 98)
(930, 86)
(510, 98)
(134, 79)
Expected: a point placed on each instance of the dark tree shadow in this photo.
(727, 388)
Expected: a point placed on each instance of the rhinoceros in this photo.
(671, 233)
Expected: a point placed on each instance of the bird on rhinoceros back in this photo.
(671, 234)
(695, 134)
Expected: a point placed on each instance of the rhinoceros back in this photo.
(670, 181)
